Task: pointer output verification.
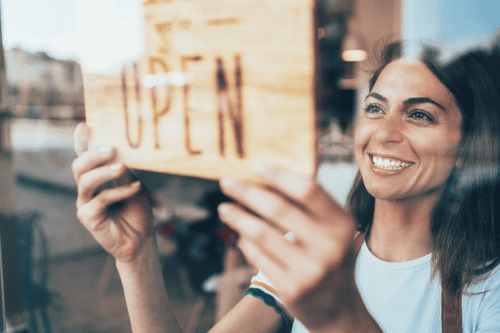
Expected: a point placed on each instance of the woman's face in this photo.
(409, 134)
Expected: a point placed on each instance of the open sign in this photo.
(219, 86)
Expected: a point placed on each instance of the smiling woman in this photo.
(442, 120)
(426, 147)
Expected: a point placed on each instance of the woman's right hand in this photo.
(119, 218)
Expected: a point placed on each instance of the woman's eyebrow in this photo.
(409, 101)
(420, 100)
(377, 96)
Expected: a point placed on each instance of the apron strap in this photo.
(451, 311)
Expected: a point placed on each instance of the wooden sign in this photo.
(220, 85)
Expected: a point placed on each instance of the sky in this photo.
(37, 25)
(102, 34)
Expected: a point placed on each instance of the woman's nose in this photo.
(390, 129)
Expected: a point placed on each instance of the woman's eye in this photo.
(373, 110)
(421, 116)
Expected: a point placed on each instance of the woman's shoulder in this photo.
(487, 283)
(481, 302)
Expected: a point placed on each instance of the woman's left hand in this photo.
(314, 274)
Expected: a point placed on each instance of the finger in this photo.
(323, 240)
(258, 259)
(126, 178)
(269, 239)
(271, 242)
(89, 212)
(92, 159)
(82, 137)
(91, 181)
(301, 188)
(272, 207)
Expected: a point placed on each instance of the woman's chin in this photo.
(386, 193)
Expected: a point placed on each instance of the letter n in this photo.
(224, 104)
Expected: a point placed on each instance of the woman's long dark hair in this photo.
(465, 229)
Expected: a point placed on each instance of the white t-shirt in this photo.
(401, 297)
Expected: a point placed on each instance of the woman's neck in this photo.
(401, 230)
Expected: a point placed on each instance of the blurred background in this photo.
(57, 279)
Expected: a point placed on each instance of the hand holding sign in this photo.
(313, 274)
(119, 218)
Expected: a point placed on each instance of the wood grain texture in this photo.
(221, 85)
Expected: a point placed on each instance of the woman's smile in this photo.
(389, 163)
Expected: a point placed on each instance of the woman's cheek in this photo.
(364, 130)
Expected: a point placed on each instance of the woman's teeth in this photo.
(389, 164)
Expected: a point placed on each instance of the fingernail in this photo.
(289, 236)
(137, 183)
(228, 182)
(115, 167)
(85, 145)
(223, 209)
(79, 127)
(261, 168)
(105, 150)
(86, 131)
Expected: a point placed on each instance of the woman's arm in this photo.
(248, 316)
(147, 301)
(150, 312)
(121, 221)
